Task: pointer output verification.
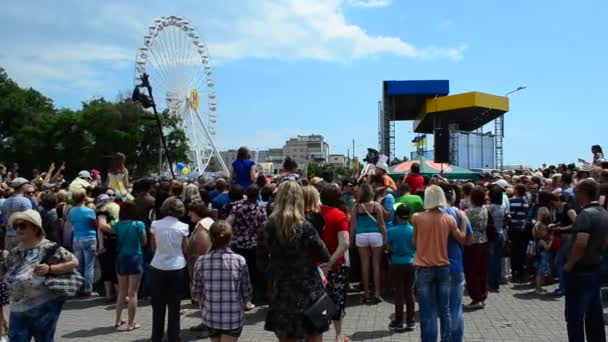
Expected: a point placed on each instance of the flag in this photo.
(419, 140)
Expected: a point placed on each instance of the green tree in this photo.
(33, 133)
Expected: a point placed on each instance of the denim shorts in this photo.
(544, 266)
(129, 265)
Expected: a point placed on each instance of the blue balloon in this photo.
(180, 166)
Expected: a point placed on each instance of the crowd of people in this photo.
(299, 245)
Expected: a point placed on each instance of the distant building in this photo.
(306, 148)
(229, 156)
(337, 160)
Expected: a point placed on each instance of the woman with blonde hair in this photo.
(191, 195)
(431, 231)
(312, 207)
(118, 176)
(287, 249)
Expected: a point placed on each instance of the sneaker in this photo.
(557, 293)
(396, 326)
(411, 325)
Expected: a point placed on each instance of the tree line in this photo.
(34, 133)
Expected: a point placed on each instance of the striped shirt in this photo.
(519, 212)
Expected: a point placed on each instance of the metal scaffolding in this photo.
(499, 131)
(386, 130)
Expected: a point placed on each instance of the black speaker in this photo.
(442, 145)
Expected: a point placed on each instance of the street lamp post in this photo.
(499, 131)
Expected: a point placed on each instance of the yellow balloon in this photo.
(185, 171)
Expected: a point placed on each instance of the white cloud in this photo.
(369, 3)
(69, 52)
(319, 31)
(75, 65)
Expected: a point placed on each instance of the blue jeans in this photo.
(560, 261)
(85, 250)
(456, 314)
(494, 261)
(38, 323)
(433, 293)
(144, 287)
(584, 313)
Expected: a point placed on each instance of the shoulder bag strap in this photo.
(368, 214)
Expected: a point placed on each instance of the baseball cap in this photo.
(84, 174)
(503, 184)
(402, 211)
(101, 200)
(19, 181)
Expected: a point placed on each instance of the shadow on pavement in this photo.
(370, 335)
(523, 286)
(534, 295)
(90, 332)
(78, 304)
(259, 315)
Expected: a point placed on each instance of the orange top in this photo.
(431, 232)
(388, 181)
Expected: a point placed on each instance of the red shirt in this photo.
(335, 221)
(415, 181)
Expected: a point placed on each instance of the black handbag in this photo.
(321, 312)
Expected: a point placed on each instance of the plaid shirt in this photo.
(222, 287)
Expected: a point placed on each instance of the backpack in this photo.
(67, 229)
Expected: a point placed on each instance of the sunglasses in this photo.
(111, 195)
(22, 226)
(29, 192)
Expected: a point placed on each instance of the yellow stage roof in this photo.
(470, 110)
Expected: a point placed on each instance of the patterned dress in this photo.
(248, 218)
(296, 284)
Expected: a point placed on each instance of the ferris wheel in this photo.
(180, 72)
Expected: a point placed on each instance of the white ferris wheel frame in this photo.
(199, 132)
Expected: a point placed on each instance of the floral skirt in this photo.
(336, 289)
(3, 294)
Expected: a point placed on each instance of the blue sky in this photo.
(301, 66)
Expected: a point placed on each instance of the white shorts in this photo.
(369, 240)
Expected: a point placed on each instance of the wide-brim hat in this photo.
(31, 216)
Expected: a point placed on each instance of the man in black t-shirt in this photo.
(584, 312)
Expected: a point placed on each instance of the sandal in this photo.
(249, 307)
(134, 326)
(120, 324)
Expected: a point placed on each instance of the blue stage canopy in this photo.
(405, 100)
